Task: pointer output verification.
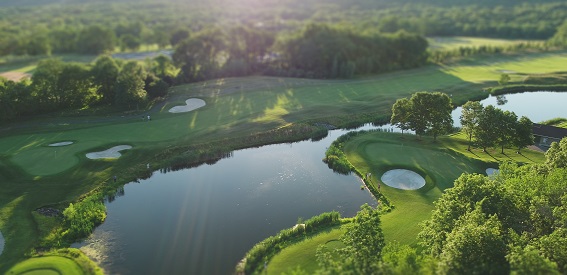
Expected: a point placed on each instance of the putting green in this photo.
(46, 265)
(378, 152)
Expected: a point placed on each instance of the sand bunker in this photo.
(491, 171)
(192, 104)
(403, 179)
(112, 153)
(64, 143)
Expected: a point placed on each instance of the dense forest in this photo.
(97, 26)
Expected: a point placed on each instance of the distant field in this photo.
(450, 43)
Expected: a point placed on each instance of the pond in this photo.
(537, 106)
(203, 220)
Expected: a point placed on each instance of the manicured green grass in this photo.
(439, 162)
(303, 254)
(451, 43)
(379, 152)
(46, 265)
(33, 175)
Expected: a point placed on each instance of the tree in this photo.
(504, 79)
(130, 84)
(469, 118)
(556, 155)
(486, 132)
(476, 245)
(506, 124)
(363, 242)
(105, 74)
(44, 83)
(523, 134)
(96, 40)
(178, 36)
(130, 42)
(401, 113)
(430, 113)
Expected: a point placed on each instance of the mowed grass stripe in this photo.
(46, 265)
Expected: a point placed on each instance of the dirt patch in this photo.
(15, 76)
(191, 104)
(403, 179)
(111, 153)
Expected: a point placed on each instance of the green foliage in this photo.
(82, 217)
(322, 51)
(424, 113)
(470, 118)
(363, 242)
(475, 244)
(556, 155)
(504, 79)
(96, 39)
(264, 250)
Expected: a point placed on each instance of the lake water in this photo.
(537, 106)
(203, 220)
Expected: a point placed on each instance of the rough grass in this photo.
(33, 175)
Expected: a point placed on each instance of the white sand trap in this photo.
(64, 143)
(491, 171)
(403, 179)
(112, 153)
(192, 104)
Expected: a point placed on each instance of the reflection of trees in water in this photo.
(501, 100)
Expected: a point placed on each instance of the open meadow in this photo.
(34, 174)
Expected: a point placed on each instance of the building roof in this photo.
(549, 131)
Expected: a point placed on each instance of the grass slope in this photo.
(303, 254)
(33, 175)
(46, 265)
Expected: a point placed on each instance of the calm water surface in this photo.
(202, 220)
(537, 106)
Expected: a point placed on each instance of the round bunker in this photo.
(63, 143)
(111, 153)
(191, 104)
(491, 171)
(403, 179)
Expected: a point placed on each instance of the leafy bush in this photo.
(82, 217)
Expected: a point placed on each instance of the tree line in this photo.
(100, 26)
(489, 126)
(57, 86)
